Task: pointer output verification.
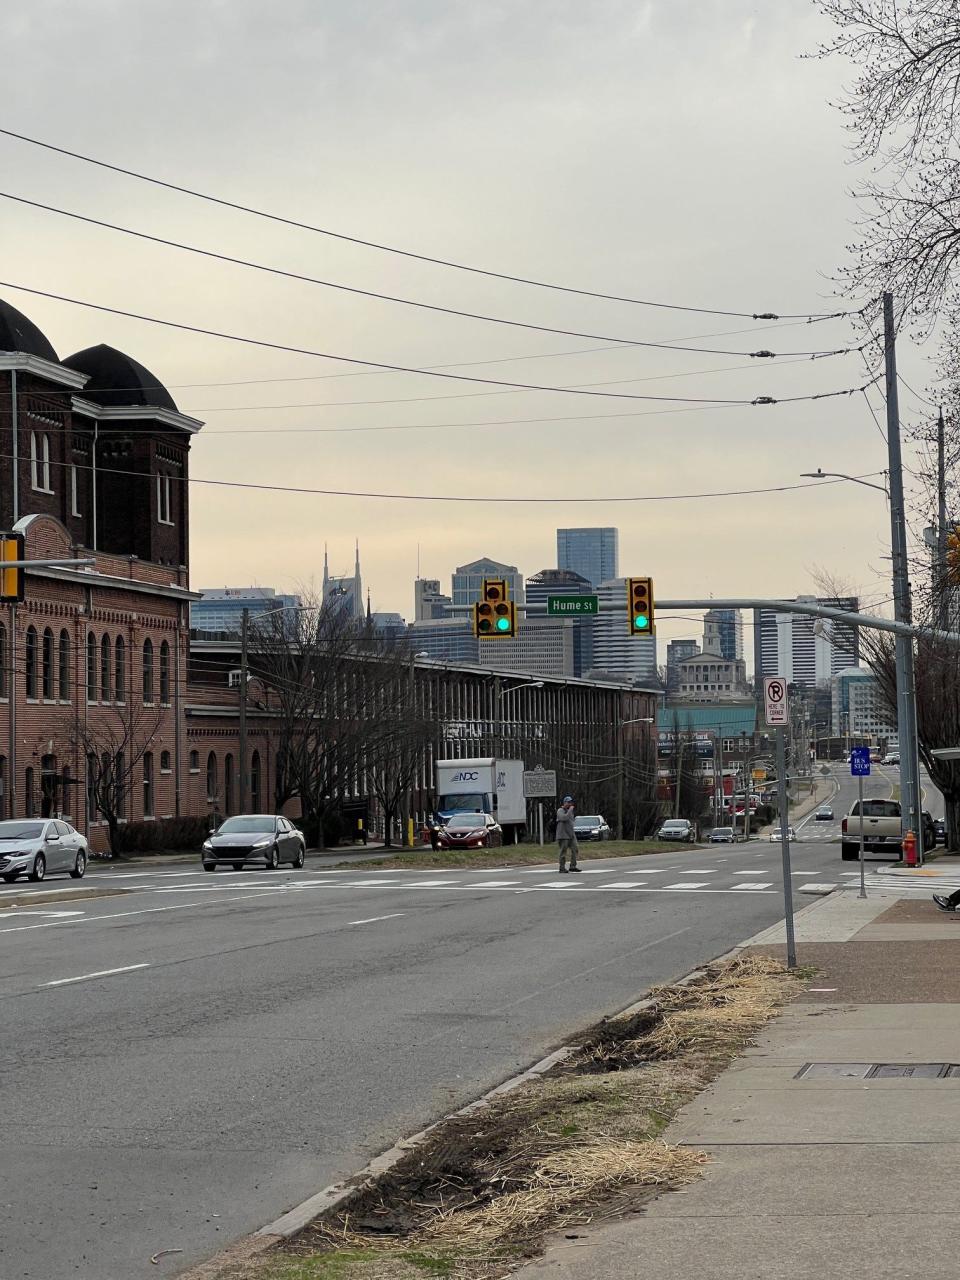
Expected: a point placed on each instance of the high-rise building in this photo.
(428, 600)
(802, 649)
(859, 708)
(344, 593)
(220, 609)
(729, 627)
(564, 582)
(677, 651)
(468, 580)
(445, 639)
(542, 646)
(593, 553)
(615, 650)
(709, 676)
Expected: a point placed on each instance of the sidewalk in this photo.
(835, 1172)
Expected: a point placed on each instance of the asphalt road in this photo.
(183, 1063)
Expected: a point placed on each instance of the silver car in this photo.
(36, 846)
(254, 837)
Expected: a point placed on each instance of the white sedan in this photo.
(35, 846)
(777, 836)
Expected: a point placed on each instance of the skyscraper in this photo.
(563, 582)
(345, 593)
(221, 608)
(678, 651)
(728, 623)
(468, 579)
(615, 650)
(802, 649)
(593, 553)
(428, 600)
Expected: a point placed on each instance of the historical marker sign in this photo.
(572, 606)
(539, 783)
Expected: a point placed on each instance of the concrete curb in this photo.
(57, 895)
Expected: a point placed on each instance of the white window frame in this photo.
(74, 493)
(163, 498)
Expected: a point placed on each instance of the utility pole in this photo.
(906, 705)
(941, 577)
(244, 629)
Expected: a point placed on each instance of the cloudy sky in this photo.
(678, 151)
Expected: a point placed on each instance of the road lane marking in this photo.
(492, 884)
(101, 973)
(373, 919)
(688, 884)
(760, 884)
(700, 871)
(622, 884)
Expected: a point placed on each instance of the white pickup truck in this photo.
(881, 829)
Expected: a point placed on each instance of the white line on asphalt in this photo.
(622, 884)
(761, 884)
(373, 919)
(101, 973)
(493, 884)
(688, 884)
(141, 911)
(700, 871)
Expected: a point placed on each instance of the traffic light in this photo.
(953, 556)
(494, 616)
(640, 606)
(11, 580)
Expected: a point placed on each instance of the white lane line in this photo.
(753, 873)
(373, 919)
(688, 884)
(760, 884)
(142, 911)
(429, 884)
(491, 884)
(101, 973)
(700, 871)
(817, 888)
(622, 884)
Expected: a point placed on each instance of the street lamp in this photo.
(621, 724)
(840, 475)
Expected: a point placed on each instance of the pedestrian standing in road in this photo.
(566, 836)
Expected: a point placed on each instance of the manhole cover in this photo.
(918, 1070)
(834, 1070)
(877, 1070)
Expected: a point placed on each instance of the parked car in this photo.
(254, 838)
(823, 814)
(471, 831)
(892, 757)
(724, 835)
(39, 846)
(880, 821)
(776, 836)
(940, 830)
(677, 829)
(591, 827)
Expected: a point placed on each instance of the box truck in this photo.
(483, 785)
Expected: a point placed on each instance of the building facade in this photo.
(594, 554)
(220, 609)
(728, 624)
(804, 650)
(467, 580)
(677, 651)
(859, 708)
(541, 646)
(616, 653)
(429, 602)
(708, 676)
(564, 582)
(344, 593)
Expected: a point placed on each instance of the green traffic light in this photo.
(503, 624)
(641, 622)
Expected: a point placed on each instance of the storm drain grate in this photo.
(877, 1070)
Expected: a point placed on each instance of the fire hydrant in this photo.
(910, 849)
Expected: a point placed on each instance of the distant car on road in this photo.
(776, 836)
(591, 826)
(892, 757)
(724, 835)
(823, 814)
(677, 829)
(471, 831)
(36, 847)
(254, 838)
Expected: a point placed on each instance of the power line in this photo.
(399, 368)
(407, 253)
(412, 302)
(444, 497)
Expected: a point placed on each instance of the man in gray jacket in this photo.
(566, 836)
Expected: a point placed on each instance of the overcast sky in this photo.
(672, 150)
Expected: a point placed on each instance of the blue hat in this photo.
(566, 798)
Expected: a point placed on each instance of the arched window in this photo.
(48, 670)
(228, 797)
(63, 673)
(106, 664)
(148, 784)
(120, 671)
(194, 761)
(91, 667)
(29, 796)
(45, 462)
(4, 661)
(164, 761)
(165, 673)
(255, 781)
(30, 662)
(211, 776)
(148, 671)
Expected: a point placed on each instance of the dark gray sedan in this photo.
(591, 826)
(260, 838)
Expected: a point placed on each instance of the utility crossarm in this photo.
(815, 611)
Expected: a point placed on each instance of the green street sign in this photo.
(568, 606)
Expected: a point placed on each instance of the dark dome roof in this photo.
(17, 333)
(117, 379)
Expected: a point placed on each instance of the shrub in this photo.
(162, 835)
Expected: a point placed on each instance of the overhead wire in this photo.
(398, 368)
(413, 302)
(407, 253)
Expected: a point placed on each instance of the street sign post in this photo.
(539, 784)
(860, 768)
(567, 606)
(775, 711)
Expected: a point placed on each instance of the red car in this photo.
(471, 831)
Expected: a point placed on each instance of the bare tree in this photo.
(901, 112)
(113, 743)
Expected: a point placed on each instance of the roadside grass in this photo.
(583, 1143)
(516, 855)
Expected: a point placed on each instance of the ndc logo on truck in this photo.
(466, 775)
